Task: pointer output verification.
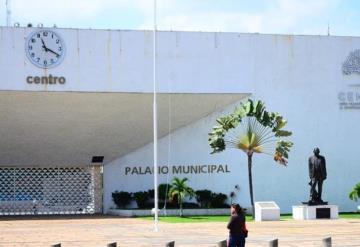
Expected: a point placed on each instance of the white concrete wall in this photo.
(188, 146)
(298, 76)
(121, 61)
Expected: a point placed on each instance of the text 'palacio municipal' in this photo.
(181, 169)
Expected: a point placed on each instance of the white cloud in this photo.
(217, 21)
(292, 14)
(67, 11)
(53, 10)
(281, 16)
(284, 16)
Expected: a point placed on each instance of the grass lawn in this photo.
(198, 219)
(349, 215)
(193, 219)
(225, 218)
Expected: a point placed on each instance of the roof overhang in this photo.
(66, 128)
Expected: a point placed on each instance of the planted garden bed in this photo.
(169, 212)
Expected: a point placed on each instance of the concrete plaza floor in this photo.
(100, 230)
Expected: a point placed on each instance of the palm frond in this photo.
(355, 193)
(252, 129)
(251, 136)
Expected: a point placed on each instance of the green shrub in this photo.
(151, 193)
(203, 197)
(190, 205)
(121, 198)
(218, 200)
(163, 192)
(141, 198)
(169, 205)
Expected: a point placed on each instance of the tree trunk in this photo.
(181, 214)
(251, 184)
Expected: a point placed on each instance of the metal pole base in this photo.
(222, 243)
(274, 243)
(326, 242)
(170, 244)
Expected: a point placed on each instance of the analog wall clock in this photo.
(45, 48)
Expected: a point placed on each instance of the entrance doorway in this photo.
(50, 190)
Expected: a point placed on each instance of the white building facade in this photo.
(100, 105)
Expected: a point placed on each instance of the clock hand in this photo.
(47, 49)
(44, 46)
(57, 54)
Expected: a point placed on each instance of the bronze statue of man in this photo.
(317, 173)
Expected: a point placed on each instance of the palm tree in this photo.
(355, 193)
(252, 129)
(180, 190)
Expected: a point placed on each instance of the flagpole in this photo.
(156, 213)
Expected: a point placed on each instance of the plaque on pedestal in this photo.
(266, 211)
(313, 212)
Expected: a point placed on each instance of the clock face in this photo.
(45, 48)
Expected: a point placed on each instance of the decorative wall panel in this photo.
(50, 190)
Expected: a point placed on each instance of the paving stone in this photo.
(97, 231)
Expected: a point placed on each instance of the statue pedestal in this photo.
(306, 212)
(266, 211)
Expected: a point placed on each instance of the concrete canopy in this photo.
(67, 128)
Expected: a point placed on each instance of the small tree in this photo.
(141, 198)
(122, 198)
(218, 200)
(180, 190)
(163, 190)
(355, 193)
(232, 196)
(252, 129)
(203, 197)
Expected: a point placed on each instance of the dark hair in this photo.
(239, 210)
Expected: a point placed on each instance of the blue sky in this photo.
(262, 16)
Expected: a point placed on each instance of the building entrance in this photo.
(50, 190)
